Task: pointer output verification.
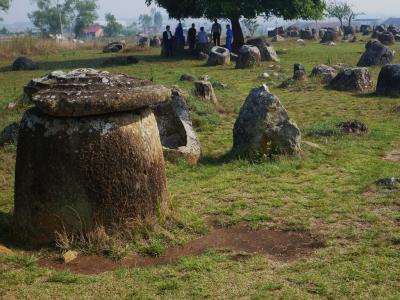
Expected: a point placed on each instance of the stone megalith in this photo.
(114, 47)
(386, 38)
(89, 154)
(299, 72)
(178, 138)
(376, 54)
(389, 81)
(330, 36)
(219, 56)
(249, 57)
(326, 73)
(24, 63)
(352, 79)
(205, 90)
(264, 127)
(266, 50)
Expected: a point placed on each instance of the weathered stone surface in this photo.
(176, 130)
(306, 34)
(264, 127)
(299, 73)
(278, 38)
(205, 90)
(120, 61)
(386, 38)
(114, 47)
(389, 81)
(219, 56)
(249, 57)
(330, 36)
(6, 251)
(326, 73)
(85, 92)
(69, 256)
(24, 63)
(376, 54)
(9, 135)
(352, 127)
(74, 174)
(266, 50)
(352, 79)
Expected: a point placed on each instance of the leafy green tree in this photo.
(51, 16)
(234, 10)
(85, 15)
(4, 5)
(113, 28)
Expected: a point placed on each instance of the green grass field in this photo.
(323, 193)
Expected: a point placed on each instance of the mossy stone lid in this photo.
(88, 92)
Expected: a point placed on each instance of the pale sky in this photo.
(132, 8)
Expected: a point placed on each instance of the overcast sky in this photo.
(132, 8)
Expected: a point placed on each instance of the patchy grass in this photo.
(323, 193)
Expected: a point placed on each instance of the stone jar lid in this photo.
(87, 92)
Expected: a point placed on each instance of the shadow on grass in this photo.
(97, 63)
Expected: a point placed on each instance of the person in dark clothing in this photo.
(168, 42)
(216, 31)
(192, 37)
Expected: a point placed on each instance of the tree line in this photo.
(55, 16)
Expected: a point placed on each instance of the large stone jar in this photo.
(89, 154)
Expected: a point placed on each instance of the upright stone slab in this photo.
(205, 90)
(264, 127)
(178, 138)
(88, 155)
(299, 72)
(389, 81)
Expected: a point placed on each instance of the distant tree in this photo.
(52, 15)
(251, 25)
(113, 28)
(146, 21)
(85, 15)
(234, 10)
(4, 31)
(353, 15)
(339, 10)
(158, 19)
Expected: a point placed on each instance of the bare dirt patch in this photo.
(279, 245)
(393, 156)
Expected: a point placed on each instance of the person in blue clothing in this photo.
(229, 37)
(179, 37)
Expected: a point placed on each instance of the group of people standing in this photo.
(195, 37)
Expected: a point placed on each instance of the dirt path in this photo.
(279, 245)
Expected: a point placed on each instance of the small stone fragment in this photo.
(69, 256)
